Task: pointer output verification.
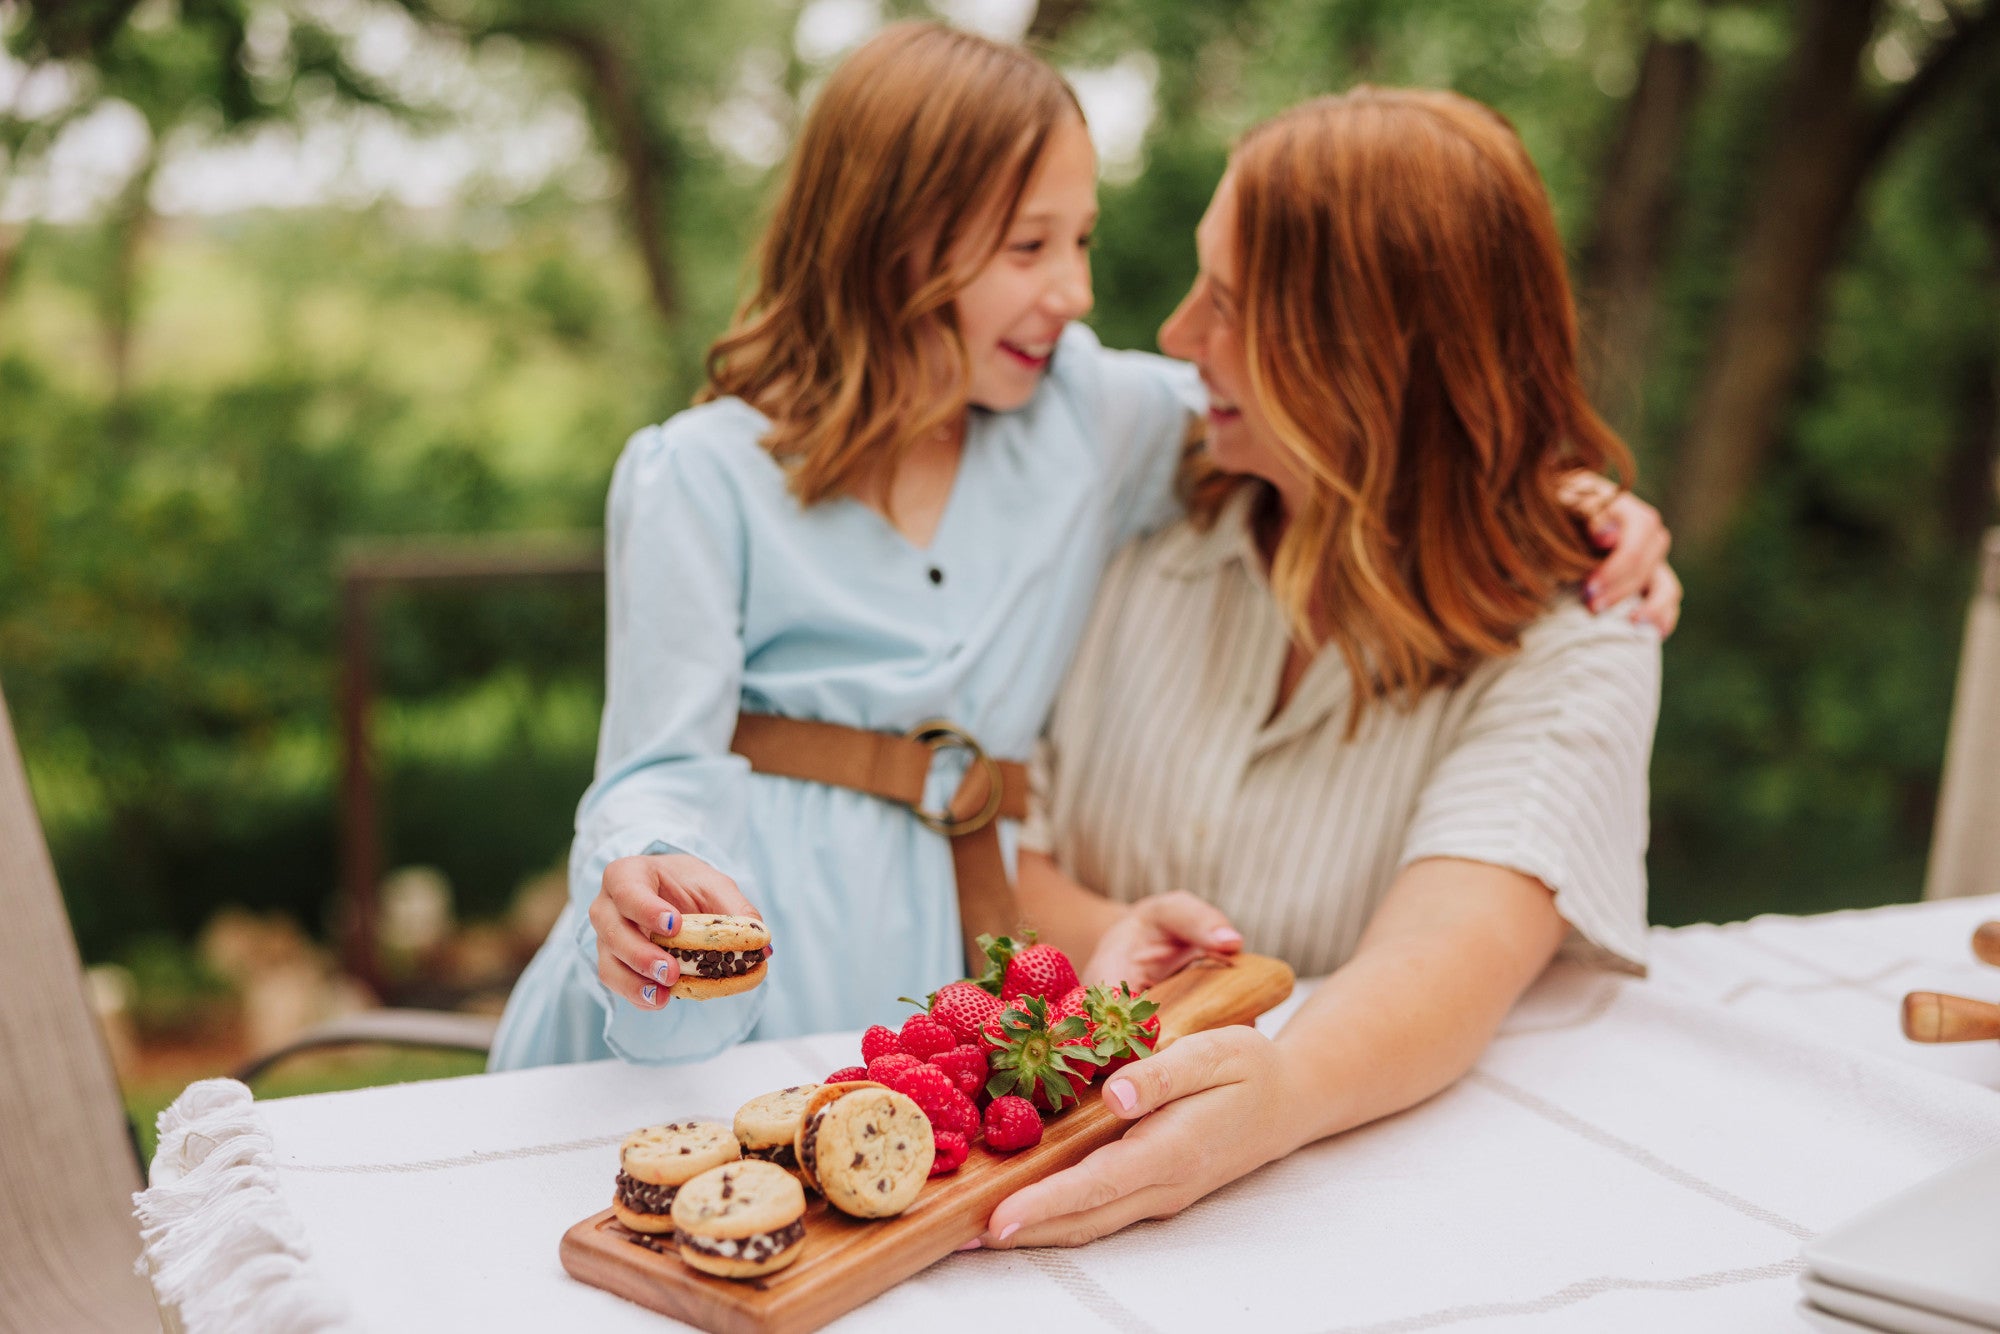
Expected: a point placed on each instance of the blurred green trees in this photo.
(195, 414)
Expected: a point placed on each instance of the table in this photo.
(1631, 1155)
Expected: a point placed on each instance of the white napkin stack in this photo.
(1926, 1261)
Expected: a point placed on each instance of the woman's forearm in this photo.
(1452, 947)
(1064, 912)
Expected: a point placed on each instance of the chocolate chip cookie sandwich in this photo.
(865, 1147)
(741, 1220)
(720, 955)
(767, 1126)
(654, 1163)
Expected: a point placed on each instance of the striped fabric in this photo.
(1159, 771)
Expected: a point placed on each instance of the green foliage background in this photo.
(304, 379)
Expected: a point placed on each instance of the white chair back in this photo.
(67, 1236)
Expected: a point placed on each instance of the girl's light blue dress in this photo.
(726, 596)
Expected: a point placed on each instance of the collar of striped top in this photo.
(1197, 554)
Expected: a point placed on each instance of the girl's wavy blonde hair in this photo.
(1412, 340)
(921, 143)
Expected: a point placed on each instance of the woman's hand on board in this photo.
(647, 896)
(1156, 937)
(1211, 1108)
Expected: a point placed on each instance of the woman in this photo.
(910, 471)
(1402, 751)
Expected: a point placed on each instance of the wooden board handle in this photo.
(1986, 943)
(1930, 1016)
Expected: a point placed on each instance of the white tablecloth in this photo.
(1628, 1155)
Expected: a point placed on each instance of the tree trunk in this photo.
(1635, 213)
(1824, 143)
(645, 153)
(1053, 18)
(130, 223)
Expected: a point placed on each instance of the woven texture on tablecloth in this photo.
(1629, 1156)
(1843, 974)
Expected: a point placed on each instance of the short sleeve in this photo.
(1142, 406)
(1547, 773)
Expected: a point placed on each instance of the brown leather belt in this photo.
(896, 768)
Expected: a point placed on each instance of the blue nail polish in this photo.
(649, 993)
(660, 972)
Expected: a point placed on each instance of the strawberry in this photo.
(964, 1008)
(887, 1069)
(948, 1109)
(952, 1149)
(879, 1041)
(1048, 1063)
(924, 1037)
(847, 1074)
(967, 1066)
(1023, 968)
(1012, 1124)
(1073, 1002)
(1123, 1028)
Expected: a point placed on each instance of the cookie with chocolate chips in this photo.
(720, 955)
(867, 1148)
(655, 1162)
(767, 1126)
(741, 1220)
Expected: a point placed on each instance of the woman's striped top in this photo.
(1160, 770)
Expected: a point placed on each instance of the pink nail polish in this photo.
(1123, 1094)
(972, 1245)
(1226, 938)
(1009, 1230)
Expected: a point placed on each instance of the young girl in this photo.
(910, 470)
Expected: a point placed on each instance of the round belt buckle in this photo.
(940, 735)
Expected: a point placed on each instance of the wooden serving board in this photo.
(849, 1261)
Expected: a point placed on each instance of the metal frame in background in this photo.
(366, 570)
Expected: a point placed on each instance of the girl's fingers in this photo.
(1660, 606)
(699, 887)
(629, 963)
(633, 889)
(1195, 921)
(623, 982)
(1638, 555)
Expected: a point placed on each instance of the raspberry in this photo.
(952, 1149)
(924, 1037)
(887, 1069)
(878, 1041)
(1012, 1124)
(847, 1074)
(948, 1109)
(966, 1064)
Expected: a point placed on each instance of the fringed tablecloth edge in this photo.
(221, 1248)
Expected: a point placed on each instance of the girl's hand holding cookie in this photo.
(647, 897)
(1157, 936)
(1212, 1107)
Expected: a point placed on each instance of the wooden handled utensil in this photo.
(1930, 1016)
(1986, 943)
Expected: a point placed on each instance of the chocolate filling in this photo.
(757, 1246)
(781, 1154)
(717, 963)
(642, 1197)
(809, 1143)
